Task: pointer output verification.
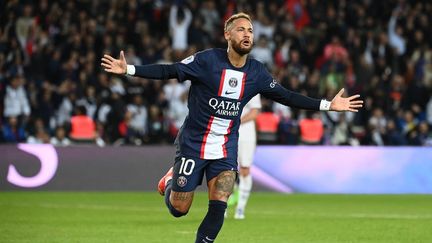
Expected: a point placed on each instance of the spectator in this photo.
(12, 131)
(156, 130)
(197, 36)
(180, 20)
(23, 25)
(64, 113)
(393, 136)
(89, 101)
(173, 90)
(429, 111)
(378, 119)
(16, 103)
(424, 136)
(396, 92)
(409, 122)
(40, 137)
(59, 139)
(45, 109)
(262, 24)
(210, 16)
(177, 113)
(311, 129)
(383, 49)
(341, 134)
(83, 128)
(262, 52)
(377, 127)
(132, 57)
(267, 127)
(395, 33)
(335, 51)
(137, 126)
(115, 117)
(287, 128)
(295, 67)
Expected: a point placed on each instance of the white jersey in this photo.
(247, 131)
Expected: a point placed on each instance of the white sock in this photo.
(245, 187)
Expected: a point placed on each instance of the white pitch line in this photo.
(253, 212)
(347, 215)
(184, 232)
(86, 206)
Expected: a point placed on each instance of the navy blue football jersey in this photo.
(218, 93)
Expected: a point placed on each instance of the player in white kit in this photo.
(246, 150)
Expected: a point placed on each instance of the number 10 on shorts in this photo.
(186, 166)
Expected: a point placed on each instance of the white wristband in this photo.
(130, 70)
(325, 105)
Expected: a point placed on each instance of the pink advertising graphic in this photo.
(286, 169)
(48, 158)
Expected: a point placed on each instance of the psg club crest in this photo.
(233, 82)
(181, 181)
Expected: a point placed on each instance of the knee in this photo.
(179, 203)
(178, 212)
(244, 171)
(181, 207)
(220, 196)
(174, 212)
(178, 209)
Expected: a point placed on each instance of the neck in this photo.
(236, 59)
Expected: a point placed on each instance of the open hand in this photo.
(113, 65)
(340, 103)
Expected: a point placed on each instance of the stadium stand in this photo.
(50, 53)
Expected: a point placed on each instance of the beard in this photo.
(239, 49)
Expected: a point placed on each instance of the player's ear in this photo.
(226, 35)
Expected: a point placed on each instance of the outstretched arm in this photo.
(279, 94)
(173, 16)
(271, 89)
(153, 71)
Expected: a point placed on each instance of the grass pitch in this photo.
(142, 217)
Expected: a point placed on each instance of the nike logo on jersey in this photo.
(228, 92)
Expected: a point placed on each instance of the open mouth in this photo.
(246, 42)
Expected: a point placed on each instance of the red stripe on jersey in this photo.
(243, 85)
(206, 135)
(221, 83)
(226, 138)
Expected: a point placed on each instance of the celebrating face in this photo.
(240, 36)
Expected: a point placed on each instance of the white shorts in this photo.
(246, 151)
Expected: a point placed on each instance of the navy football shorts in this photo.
(189, 171)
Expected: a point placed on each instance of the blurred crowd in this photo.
(53, 89)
